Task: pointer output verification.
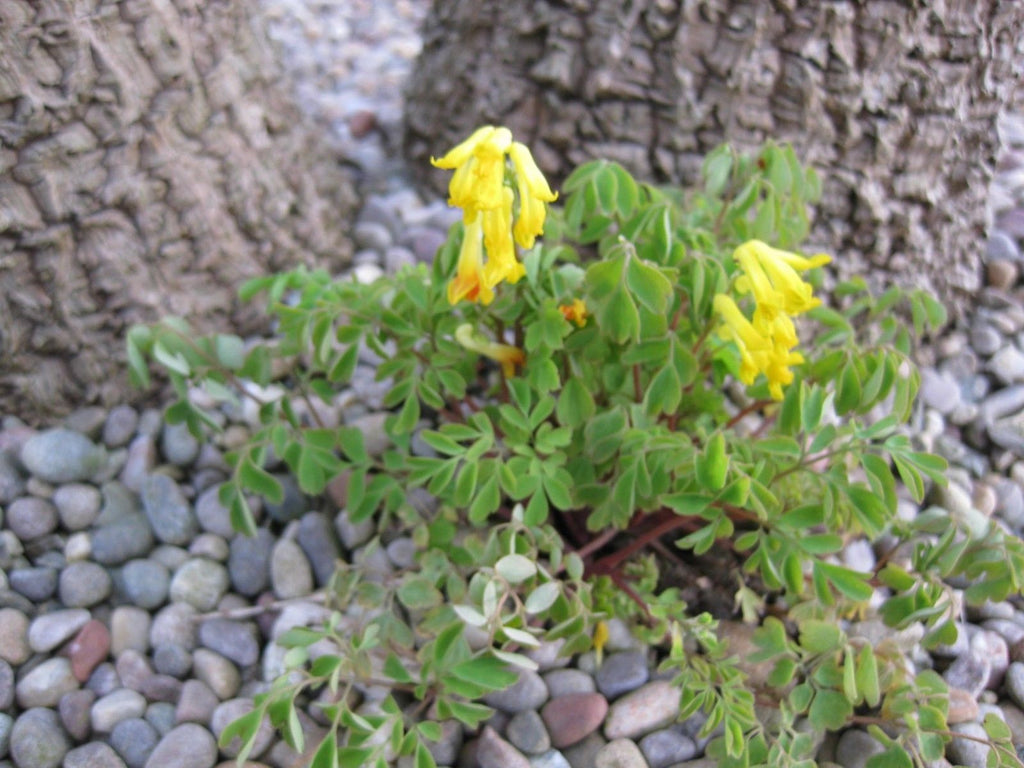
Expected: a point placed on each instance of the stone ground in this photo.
(117, 559)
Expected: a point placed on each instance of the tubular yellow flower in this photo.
(507, 355)
(501, 251)
(751, 344)
(469, 282)
(575, 312)
(534, 192)
(772, 275)
(480, 169)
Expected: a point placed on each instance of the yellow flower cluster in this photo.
(767, 341)
(478, 188)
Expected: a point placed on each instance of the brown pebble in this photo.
(74, 709)
(88, 648)
(963, 708)
(1001, 274)
(361, 123)
(573, 717)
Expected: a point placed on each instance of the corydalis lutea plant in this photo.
(593, 411)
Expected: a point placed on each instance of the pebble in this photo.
(620, 753)
(12, 485)
(231, 710)
(550, 759)
(317, 539)
(74, 708)
(37, 740)
(89, 647)
(37, 584)
(963, 708)
(45, 684)
(1007, 365)
(187, 746)
(146, 583)
(219, 674)
(573, 717)
(293, 503)
(83, 584)
(168, 510)
(127, 538)
(968, 752)
(78, 505)
(178, 445)
(290, 572)
(6, 723)
(622, 672)
(969, 672)
(855, 747)
(212, 516)
(62, 456)
(94, 755)
(200, 582)
(30, 517)
(139, 462)
(6, 686)
(50, 630)
(494, 752)
(526, 731)
(667, 747)
(646, 709)
(14, 643)
(234, 640)
(582, 754)
(173, 660)
(528, 692)
(174, 624)
(120, 426)
(249, 562)
(116, 706)
(129, 628)
(196, 703)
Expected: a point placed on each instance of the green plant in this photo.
(636, 375)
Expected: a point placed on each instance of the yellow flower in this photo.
(575, 312)
(501, 251)
(534, 192)
(469, 282)
(480, 169)
(600, 640)
(772, 275)
(507, 355)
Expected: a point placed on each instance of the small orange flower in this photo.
(575, 312)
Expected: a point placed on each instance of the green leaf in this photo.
(848, 390)
(258, 480)
(423, 757)
(465, 485)
(829, 710)
(418, 593)
(712, 464)
(515, 568)
(893, 757)
(716, 169)
(408, 416)
(488, 498)
(619, 318)
(817, 636)
(394, 669)
(648, 285)
(543, 597)
(867, 676)
(850, 583)
(172, 361)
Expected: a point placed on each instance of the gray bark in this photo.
(895, 103)
(150, 161)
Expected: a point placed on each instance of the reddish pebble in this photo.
(361, 123)
(90, 646)
(573, 717)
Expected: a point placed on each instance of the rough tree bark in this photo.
(150, 160)
(895, 102)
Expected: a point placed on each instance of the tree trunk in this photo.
(895, 102)
(150, 160)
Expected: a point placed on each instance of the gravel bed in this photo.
(117, 561)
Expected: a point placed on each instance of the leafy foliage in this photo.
(552, 483)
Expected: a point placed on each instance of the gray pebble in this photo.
(14, 645)
(220, 675)
(317, 539)
(37, 740)
(12, 484)
(550, 759)
(1000, 246)
(565, 681)
(213, 516)
(620, 753)
(1014, 683)
(116, 706)
(103, 680)
(402, 552)
(6, 686)
(231, 710)
(88, 420)
(666, 747)
(74, 708)
(970, 672)
(78, 505)
(234, 640)
(528, 692)
(129, 628)
(94, 755)
(196, 703)
(139, 463)
(582, 755)
(120, 426)
(162, 688)
(174, 625)
(1007, 365)
(939, 390)
(83, 584)
(293, 502)
(527, 732)
(160, 715)
(178, 446)
(145, 583)
(855, 747)
(118, 501)
(129, 537)
(445, 750)
(187, 746)
(134, 739)
(249, 562)
(1002, 403)
(37, 584)
(199, 582)
(646, 709)
(168, 510)
(49, 630)
(30, 517)
(133, 669)
(494, 752)
(622, 672)
(424, 242)
(6, 723)
(371, 235)
(170, 557)
(290, 571)
(173, 660)
(994, 648)
(62, 456)
(968, 752)
(352, 534)
(396, 257)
